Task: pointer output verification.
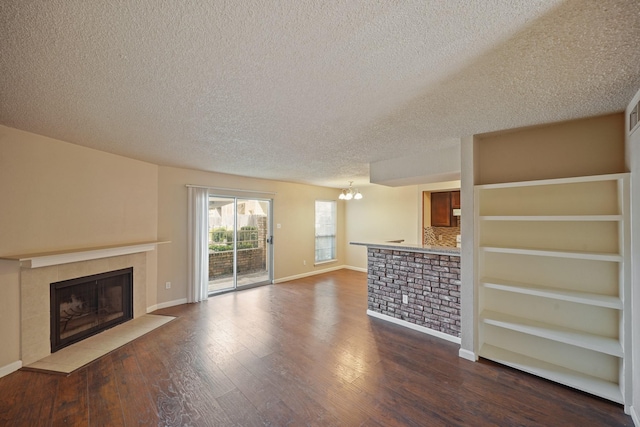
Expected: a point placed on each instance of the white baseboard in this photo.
(166, 304)
(415, 327)
(469, 355)
(11, 367)
(308, 274)
(634, 416)
(360, 269)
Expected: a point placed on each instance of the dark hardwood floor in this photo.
(297, 353)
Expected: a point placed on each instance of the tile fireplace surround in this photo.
(35, 299)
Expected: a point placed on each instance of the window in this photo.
(325, 231)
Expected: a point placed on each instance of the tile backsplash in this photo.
(441, 236)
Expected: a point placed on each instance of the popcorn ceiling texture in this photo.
(307, 91)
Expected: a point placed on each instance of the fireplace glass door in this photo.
(87, 305)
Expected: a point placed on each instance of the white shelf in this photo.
(543, 219)
(581, 339)
(597, 300)
(556, 181)
(580, 381)
(590, 218)
(594, 256)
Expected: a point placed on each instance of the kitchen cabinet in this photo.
(442, 205)
(441, 209)
(455, 200)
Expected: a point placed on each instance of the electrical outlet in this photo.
(167, 285)
(405, 299)
(304, 262)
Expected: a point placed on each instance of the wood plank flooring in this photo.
(297, 353)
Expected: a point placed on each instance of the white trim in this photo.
(230, 189)
(415, 327)
(10, 368)
(628, 111)
(166, 304)
(634, 416)
(360, 269)
(76, 255)
(327, 261)
(469, 355)
(310, 273)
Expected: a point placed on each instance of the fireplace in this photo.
(84, 306)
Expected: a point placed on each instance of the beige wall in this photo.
(384, 213)
(592, 146)
(9, 312)
(387, 213)
(294, 207)
(426, 209)
(57, 195)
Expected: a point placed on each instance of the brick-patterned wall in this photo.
(221, 263)
(431, 281)
(262, 231)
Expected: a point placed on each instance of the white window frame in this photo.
(324, 230)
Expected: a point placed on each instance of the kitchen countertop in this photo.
(411, 247)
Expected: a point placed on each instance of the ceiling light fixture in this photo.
(350, 193)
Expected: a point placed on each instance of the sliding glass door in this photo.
(240, 250)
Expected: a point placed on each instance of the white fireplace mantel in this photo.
(83, 254)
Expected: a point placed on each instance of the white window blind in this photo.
(325, 230)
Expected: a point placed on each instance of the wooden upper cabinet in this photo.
(442, 206)
(455, 200)
(441, 209)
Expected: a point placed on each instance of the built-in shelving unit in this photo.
(553, 278)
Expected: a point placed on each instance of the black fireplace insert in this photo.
(84, 306)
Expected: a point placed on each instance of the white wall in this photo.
(468, 323)
(632, 149)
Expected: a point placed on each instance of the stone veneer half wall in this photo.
(35, 297)
(431, 282)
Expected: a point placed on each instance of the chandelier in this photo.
(350, 193)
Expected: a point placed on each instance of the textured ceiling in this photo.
(307, 90)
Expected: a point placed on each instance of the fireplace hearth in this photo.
(84, 306)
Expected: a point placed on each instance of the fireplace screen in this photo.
(87, 305)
